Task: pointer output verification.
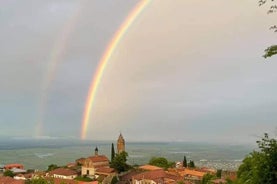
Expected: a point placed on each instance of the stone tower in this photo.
(120, 144)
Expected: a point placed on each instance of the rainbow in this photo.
(104, 61)
(56, 56)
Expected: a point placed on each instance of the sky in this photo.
(184, 71)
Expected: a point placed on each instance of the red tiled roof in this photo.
(155, 175)
(63, 171)
(13, 166)
(98, 158)
(192, 173)
(150, 167)
(65, 181)
(9, 180)
(80, 160)
(85, 182)
(71, 164)
(129, 176)
(105, 170)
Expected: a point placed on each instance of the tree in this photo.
(112, 152)
(218, 173)
(52, 167)
(161, 162)
(191, 164)
(260, 166)
(185, 164)
(9, 173)
(114, 180)
(119, 162)
(83, 178)
(272, 50)
(207, 178)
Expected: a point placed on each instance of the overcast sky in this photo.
(185, 71)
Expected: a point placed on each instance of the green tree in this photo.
(83, 178)
(114, 180)
(9, 173)
(52, 167)
(207, 178)
(161, 162)
(112, 152)
(271, 50)
(185, 164)
(119, 162)
(260, 166)
(191, 164)
(218, 173)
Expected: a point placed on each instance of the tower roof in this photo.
(96, 149)
(120, 137)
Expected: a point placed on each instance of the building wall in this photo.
(64, 177)
(143, 181)
(88, 171)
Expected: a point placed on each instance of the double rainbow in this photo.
(105, 59)
(56, 57)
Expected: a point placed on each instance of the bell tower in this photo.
(120, 144)
(96, 151)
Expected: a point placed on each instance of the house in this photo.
(9, 180)
(155, 177)
(23, 176)
(86, 182)
(64, 181)
(63, 173)
(1, 167)
(80, 161)
(71, 165)
(150, 167)
(18, 171)
(11, 166)
(105, 171)
(126, 178)
(39, 174)
(92, 163)
(192, 175)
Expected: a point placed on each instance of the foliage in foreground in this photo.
(260, 166)
(207, 178)
(272, 50)
(9, 173)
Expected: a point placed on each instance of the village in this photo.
(97, 168)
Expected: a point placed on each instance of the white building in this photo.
(63, 173)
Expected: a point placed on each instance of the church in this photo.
(99, 164)
(120, 144)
